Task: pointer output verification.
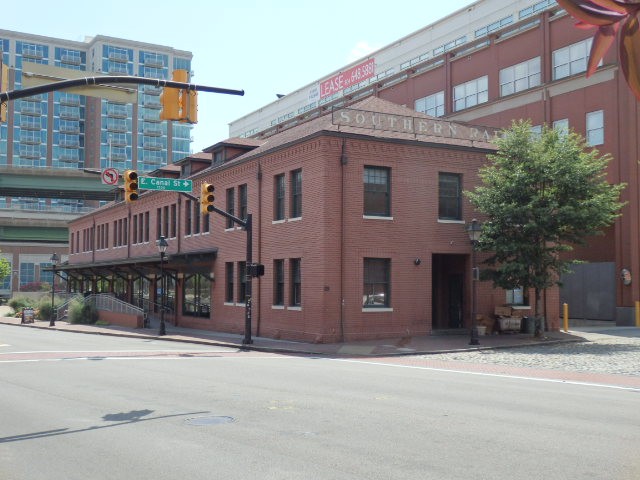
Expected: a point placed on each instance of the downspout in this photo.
(257, 229)
(343, 162)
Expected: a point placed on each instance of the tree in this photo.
(5, 268)
(541, 194)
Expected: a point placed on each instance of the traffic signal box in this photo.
(130, 185)
(206, 198)
(179, 104)
(4, 87)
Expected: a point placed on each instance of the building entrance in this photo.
(448, 291)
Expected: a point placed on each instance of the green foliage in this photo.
(82, 313)
(541, 196)
(44, 307)
(18, 303)
(5, 268)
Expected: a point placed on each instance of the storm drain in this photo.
(210, 420)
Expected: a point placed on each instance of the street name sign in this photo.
(153, 183)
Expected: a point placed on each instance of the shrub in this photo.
(44, 308)
(18, 303)
(81, 313)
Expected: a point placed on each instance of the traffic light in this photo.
(206, 198)
(130, 185)
(173, 99)
(190, 112)
(4, 87)
(170, 100)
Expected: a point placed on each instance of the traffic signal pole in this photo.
(247, 224)
(107, 80)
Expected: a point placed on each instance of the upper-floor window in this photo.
(520, 77)
(431, 105)
(296, 194)
(595, 128)
(230, 205)
(450, 196)
(242, 202)
(278, 197)
(562, 126)
(571, 59)
(471, 93)
(377, 191)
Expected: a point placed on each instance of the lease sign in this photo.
(342, 80)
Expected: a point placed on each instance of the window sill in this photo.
(277, 307)
(294, 308)
(376, 217)
(273, 222)
(377, 309)
(294, 219)
(441, 220)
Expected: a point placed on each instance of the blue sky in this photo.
(262, 47)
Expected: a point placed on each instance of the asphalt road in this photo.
(89, 407)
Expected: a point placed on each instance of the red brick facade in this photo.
(429, 258)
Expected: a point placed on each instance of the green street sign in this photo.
(171, 184)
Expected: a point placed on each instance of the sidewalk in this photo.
(428, 344)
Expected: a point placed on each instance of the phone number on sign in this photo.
(354, 75)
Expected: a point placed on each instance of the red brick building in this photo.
(358, 218)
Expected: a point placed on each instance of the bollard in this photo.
(637, 314)
(565, 316)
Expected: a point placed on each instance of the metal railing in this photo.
(106, 301)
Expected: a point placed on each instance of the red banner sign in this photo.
(345, 79)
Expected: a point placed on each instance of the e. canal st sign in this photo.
(153, 183)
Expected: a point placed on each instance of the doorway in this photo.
(448, 291)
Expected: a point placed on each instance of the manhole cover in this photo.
(212, 420)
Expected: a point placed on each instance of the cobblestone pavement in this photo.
(602, 352)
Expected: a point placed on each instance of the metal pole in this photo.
(247, 314)
(52, 319)
(474, 297)
(163, 330)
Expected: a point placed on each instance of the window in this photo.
(278, 201)
(470, 93)
(431, 105)
(520, 77)
(27, 273)
(278, 282)
(173, 221)
(242, 281)
(572, 59)
(449, 196)
(230, 205)
(296, 194)
(296, 285)
(595, 128)
(562, 126)
(376, 286)
(377, 191)
(242, 201)
(187, 217)
(536, 131)
(196, 218)
(228, 297)
(196, 296)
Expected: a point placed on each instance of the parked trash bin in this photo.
(527, 325)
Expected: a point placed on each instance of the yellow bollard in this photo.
(565, 316)
(637, 314)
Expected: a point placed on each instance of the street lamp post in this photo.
(474, 229)
(162, 248)
(54, 262)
